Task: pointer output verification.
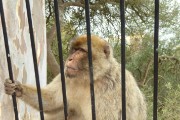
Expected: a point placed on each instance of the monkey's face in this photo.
(76, 63)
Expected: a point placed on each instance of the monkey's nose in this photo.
(70, 59)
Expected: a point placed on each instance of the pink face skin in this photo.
(74, 63)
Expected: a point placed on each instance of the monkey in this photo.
(107, 86)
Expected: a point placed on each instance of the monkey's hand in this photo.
(11, 88)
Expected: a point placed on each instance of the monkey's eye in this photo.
(82, 50)
(78, 49)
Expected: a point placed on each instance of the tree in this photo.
(21, 54)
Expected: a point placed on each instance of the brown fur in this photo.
(107, 85)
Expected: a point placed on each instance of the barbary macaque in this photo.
(107, 86)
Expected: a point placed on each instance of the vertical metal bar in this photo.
(123, 64)
(34, 59)
(8, 57)
(156, 37)
(90, 59)
(61, 57)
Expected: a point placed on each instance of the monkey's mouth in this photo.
(70, 71)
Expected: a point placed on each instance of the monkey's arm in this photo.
(51, 94)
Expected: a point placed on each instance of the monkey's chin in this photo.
(70, 76)
(71, 73)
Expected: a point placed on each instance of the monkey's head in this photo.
(77, 63)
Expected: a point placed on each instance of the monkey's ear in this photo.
(107, 50)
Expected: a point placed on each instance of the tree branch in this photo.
(52, 63)
(144, 80)
(146, 72)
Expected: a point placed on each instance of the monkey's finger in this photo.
(9, 84)
(9, 92)
(8, 80)
(9, 89)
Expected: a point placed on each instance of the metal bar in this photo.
(61, 57)
(90, 59)
(8, 57)
(123, 62)
(34, 59)
(156, 37)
